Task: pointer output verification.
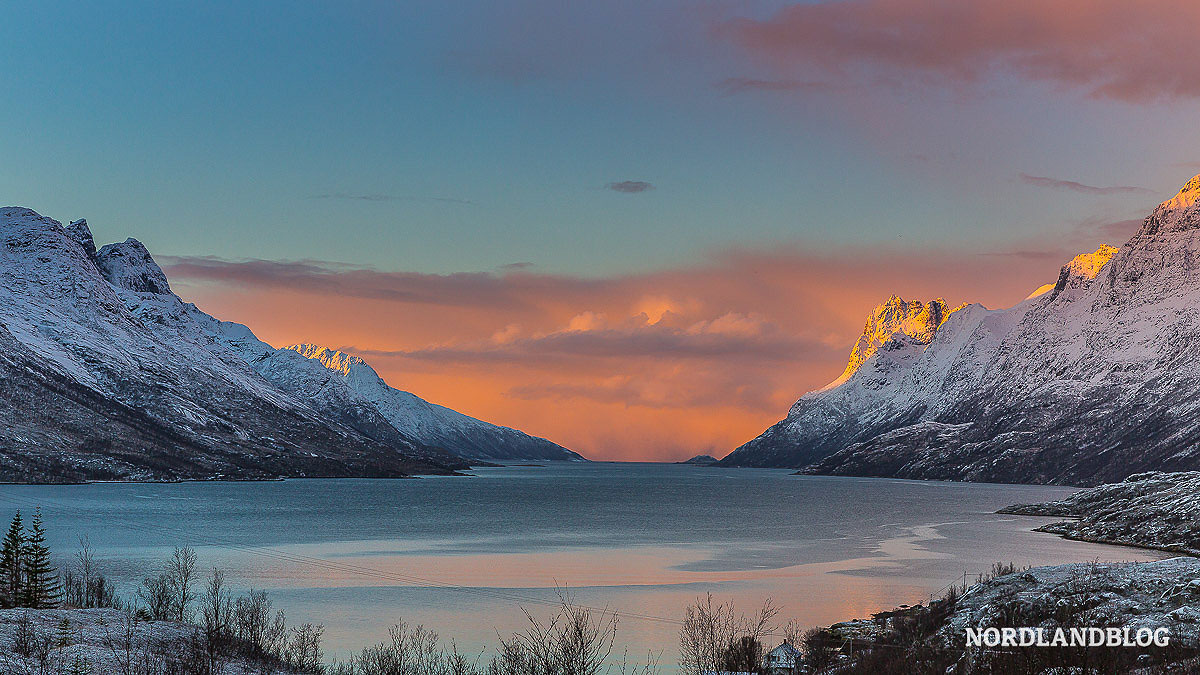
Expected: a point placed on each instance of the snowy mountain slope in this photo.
(1088, 382)
(107, 376)
(348, 378)
(336, 386)
(289, 376)
(857, 404)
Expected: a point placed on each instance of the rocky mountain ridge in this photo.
(410, 415)
(1085, 383)
(107, 374)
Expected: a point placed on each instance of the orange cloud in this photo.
(659, 366)
(1113, 49)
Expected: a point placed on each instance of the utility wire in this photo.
(368, 572)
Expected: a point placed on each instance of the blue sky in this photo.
(442, 137)
(803, 162)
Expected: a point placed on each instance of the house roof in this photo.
(786, 648)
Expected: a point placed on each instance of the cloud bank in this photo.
(658, 365)
(1108, 49)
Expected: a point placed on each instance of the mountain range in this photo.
(106, 374)
(1086, 381)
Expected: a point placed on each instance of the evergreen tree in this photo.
(41, 588)
(10, 563)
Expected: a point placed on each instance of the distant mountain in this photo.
(107, 374)
(343, 386)
(1087, 381)
(700, 460)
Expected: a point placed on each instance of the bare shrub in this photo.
(83, 583)
(255, 625)
(303, 650)
(711, 630)
(409, 651)
(575, 640)
(156, 597)
(181, 576)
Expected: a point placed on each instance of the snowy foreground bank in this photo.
(925, 639)
(1143, 598)
(46, 641)
(1155, 510)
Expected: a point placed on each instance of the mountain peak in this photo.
(1187, 196)
(1084, 267)
(79, 231)
(328, 357)
(128, 265)
(1177, 214)
(918, 320)
(18, 212)
(39, 257)
(29, 225)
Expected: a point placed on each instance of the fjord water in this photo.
(463, 555)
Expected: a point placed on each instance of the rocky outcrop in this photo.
(1083, 268)
(896, 317)
(1154, 510)
(128, 265)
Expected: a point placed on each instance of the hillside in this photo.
(108, 375)
(1085, 383)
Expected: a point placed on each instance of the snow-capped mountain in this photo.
(345, 386)
(107, 374)
(1088, 381)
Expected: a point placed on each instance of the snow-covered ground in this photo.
(1163, 593)
(100, 641)
(1158, 510)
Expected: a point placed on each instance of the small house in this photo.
(784, 660)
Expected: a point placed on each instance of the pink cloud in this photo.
(1113, 49)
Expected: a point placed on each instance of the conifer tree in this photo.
(11, 552)
(41, 587)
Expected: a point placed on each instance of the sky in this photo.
(641, 230)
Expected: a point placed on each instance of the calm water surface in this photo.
(464, 555)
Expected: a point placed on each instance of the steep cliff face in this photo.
(863, 401)
(1083, 268)
(1086, 382)
(915, 319)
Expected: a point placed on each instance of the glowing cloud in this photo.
(660, 365)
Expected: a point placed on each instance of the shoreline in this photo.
(1183, 551)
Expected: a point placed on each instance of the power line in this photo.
(370, 572)
(360, 570)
